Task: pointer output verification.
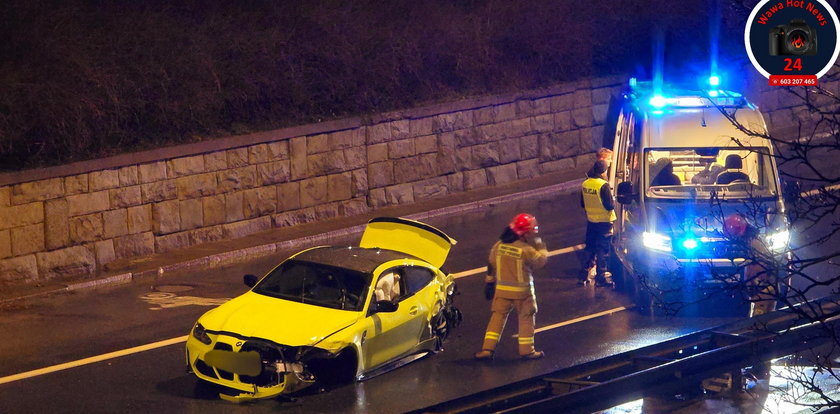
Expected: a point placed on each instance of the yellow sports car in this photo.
(331, 314)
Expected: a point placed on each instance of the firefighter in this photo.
(510, 284)
(760, 273)
(596, 199)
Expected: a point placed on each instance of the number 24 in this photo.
(793, 64)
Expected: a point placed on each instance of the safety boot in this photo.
(484, 355)
(533, 355)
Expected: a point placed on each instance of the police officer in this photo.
(510, 284)
(596, 199)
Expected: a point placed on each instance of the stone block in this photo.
(563, 102)
(465, 137)
(134, 245)
(419, 126)
(86, 228)
(115, 223)
(213, 209)
(149, 173)
(5, 244)
(339, 187)
(104, 251)
(278, 150)
(542, 106)
(582, 117)
(354, 158)
(18, 271)
(399, 194)
(474, 179)
(602, 95)
(24, 193)
(455, 182)
(56, 224)
(198, 185)
(317, 144)
(432, 187)
(246, 227)
(415, 168)
(377, 152)
(259, 201)
(379, 133)
(359, 183)
(126, 196)
(139, 219)
(484, 155)
(180, 167)
(485, 115)
(502, 174)
(452, 121)
(172, 242)
(236, 179)
(22, 215)
(76, 184)
(87, 203)
(66, 263)
(463, 158)
(273, 172)
(237, 157)
(524, 108)
(325, 163)
(563, 121)
(313, 191)
(258, 154)
(555, 146)
(558, 165)
(103, 180)
(159, 191)
(519, 128)
(528, 169)
(233, 207)
(166, 217)
(380, 174)
(401, 149)
(27, 239)
(425, 144)
(401, 129)
(582, 98)
(206, 235)
(192, 213)
(297, 149)
(376, 198)
(599, 114)
(353, 207)
(542, 123)
(509, 150)
(288, 196)
(347, 139)
(5, 196)
(215, 161)
(326, 211)
(504, 112)
(128, 176)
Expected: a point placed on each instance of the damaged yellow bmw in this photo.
(330, 315)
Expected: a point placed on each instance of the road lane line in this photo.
(580, 319)
(173, 341)
(478, 270)
(93, 359)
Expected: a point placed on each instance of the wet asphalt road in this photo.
(45, 332)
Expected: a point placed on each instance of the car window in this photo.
(316, 284)
(416, 278)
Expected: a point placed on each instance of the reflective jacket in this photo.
(511, 265)
(593, 203)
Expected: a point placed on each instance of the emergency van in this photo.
(680, 168)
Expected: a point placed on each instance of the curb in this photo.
(248, 253)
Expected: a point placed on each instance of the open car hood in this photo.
(408, 236)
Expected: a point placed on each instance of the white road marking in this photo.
(580, 319)
(182, 339)
(165, 300)
(93, 359)
(814, 192)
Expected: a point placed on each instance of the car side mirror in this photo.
(384, 306)
(250, 280)
(624, 192)
(791, 190)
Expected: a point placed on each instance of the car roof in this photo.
(354, 258)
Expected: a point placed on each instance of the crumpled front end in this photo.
(256, 367)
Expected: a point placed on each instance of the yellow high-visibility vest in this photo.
(595, 211)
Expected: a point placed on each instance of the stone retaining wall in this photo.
(73, 220)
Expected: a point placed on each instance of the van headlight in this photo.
(656, 241)
(778, 241)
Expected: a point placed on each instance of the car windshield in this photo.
(726, 173)
(316, 284)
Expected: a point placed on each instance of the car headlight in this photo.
(656, 241)
(778, 241)
(201, 334)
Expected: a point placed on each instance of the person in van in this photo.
(666, 175)
(733, 171)
(596, 199)
(710, 171)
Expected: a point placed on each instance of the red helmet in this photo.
(734, 225)
(524, 223)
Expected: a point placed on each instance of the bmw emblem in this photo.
(239, 343)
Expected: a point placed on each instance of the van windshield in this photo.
(728, 173)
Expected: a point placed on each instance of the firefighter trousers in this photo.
(526, 310)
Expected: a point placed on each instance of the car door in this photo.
(396, 333)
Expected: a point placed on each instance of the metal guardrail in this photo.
(662, 368)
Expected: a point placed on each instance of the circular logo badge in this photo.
(792, 37)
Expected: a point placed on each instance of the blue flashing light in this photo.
(689, 244)
(714, 80)
(658, 101)
(713, 93)
(633, 81)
